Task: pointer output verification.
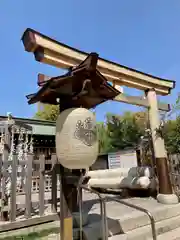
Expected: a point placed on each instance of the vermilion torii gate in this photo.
(54, 53)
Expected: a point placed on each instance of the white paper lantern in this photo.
(76, 138)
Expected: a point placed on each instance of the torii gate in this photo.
(54, 53)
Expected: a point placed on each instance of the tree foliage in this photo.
(104, 140)
(49, 112)
(124, 131)
(172, 135)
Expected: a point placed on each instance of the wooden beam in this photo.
(123, 81)
(42, 79)
(28, 222)
(60, 55)
(140, 101)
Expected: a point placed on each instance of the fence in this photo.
(36, 181)
(19, 182)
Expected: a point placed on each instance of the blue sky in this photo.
(140, 34)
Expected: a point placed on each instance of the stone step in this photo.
(166, 230)
(134, 219)
(145, 233)
(137, 225)
(171, 235)
(117, 237)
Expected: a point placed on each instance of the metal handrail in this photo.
(103, 210)
(104, 217)
(139, 209)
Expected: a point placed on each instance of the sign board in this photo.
(114, 160)
(122, 159)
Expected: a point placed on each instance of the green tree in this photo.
(104, 140)
(171, 130)
(176, 106)
(141, 120)
(174, 112)
(123, 131)
(49, 112)
(172, 135)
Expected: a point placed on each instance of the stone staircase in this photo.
(125, 223)
(167, 229)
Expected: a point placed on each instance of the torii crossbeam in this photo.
(57, 54)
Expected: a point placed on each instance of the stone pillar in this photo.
(165, 195)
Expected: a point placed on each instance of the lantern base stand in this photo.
(167, 198)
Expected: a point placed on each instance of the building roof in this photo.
(39, 127)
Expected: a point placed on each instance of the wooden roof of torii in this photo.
(52, 52)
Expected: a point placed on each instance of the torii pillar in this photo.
(166, 195)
